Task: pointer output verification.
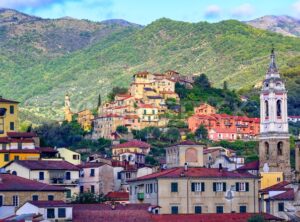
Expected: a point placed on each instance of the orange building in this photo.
(205, 109)
(226, 127)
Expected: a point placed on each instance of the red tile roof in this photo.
(21, 134)
(104, 212)
(212, 217)
(20, 151)
(276, 187)
(2, 100)
(286, 195)
(10, 182)
(91, 165)
(141, 105)
(15, 140)
(124, 196)
(254, 165)
(133, 143)
(186, 143)
(179, 172)
(46, 203)
(45, 164)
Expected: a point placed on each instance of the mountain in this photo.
(42, 59)
(284, 25)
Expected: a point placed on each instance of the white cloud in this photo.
(296, 8)
(212, 11)
(243, 10)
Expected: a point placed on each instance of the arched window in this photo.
(14, 173)
(266, 108)
(267, 149)
(279, 148)
(278, 108)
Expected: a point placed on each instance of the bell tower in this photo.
(67, 108)
(274, 145)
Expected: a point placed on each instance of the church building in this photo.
(274, 145)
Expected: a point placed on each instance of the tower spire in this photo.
(272, 67)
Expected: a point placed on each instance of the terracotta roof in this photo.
(2, 100)
(14, 183)
(105, 212)
(131, 117)
(254, 165)
(276, 187)
(20, 151)
(15, 140)
(186, 143)
(206, 151)
(46, 203)
(286, 195)
(200, 172)
(47, 150)
(118, 196)
(146, 106)
(91, 165)
(21, 134)
(133, 143)
(212, 217)
(45, 164)
(108, 115)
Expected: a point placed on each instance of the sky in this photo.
(146, 11)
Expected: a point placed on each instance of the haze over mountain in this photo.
(42, 59)
(284, 25)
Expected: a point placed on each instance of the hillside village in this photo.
(194, 178)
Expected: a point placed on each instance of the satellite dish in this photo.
(266, 168)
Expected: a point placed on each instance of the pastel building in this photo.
(9, 116)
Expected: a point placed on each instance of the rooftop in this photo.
(254, 165)
(133, 143)
(46, 203)
(91, 165)
(118, 196)
(10, 182)
(21, 134)
(45, 164)
(2, 100)
(198, 172)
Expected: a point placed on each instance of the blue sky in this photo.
(145, 11)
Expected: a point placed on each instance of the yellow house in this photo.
(85, 119)
(148, 115)
(9, 115)
(270, 178)
(69, 156)
(9, 155)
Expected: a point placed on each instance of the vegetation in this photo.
(73, 54)
(122, 129)
(201, 132)
(256, 218)
(88, 198)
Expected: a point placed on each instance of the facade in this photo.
(223, 126)
(105, 125)
(270, 178)
(205, 109)
(53, 172)
(185, 153)
(195, 190)
(85, 119)
(9, 116)
(133, 147)
(69, 155)
(16, 191)
(274, 145)
(51, 211)
(96, 177)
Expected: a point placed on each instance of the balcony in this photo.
(140, 196)
(63, 181)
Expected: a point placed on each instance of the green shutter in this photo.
(193, 187)
(202, 186)
(214, 187)
(237, 186)
(247, 186)
(224, 187)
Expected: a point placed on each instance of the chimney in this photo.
(185, 166)
(220, 167)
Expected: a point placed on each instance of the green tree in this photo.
(172, 135)
(256, 218)
(201, 132)
(122, 129)
(88, 198)
(115, 91)
(156, 133)
(99, 101)
(202, 81)
(225, 85)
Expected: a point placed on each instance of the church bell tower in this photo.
(274, 145)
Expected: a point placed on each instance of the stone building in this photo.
(9, 116)
(274, 145)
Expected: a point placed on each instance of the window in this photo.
(15, 200)
(174, 210)
(68, 194)
(50, 197)
(1, 200)
(279, 148)
(16, 158)
(14, 173)
(19, 146)
(219, 187)
(75, 157)
(50, 213)
(267, 108)
(278, 108)
(68, 175)
(6, 157)
(281, 206)
(149, 188)
(174, 187)
(92, 172)
(243, 209)
(198, 209)
(92, 189)
(219, 209)
(81, 189)
(155, 188)
(11, 109)
(267, 149)
(41, 176)
(119, 176)
(198, 187)
(278, 179)
(61, 212)
(35, 197)
(145, 112)
(12, 126)
(242, 187)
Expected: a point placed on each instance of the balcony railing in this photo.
(62, 181)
